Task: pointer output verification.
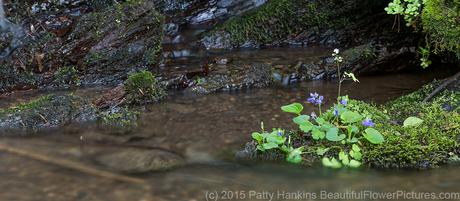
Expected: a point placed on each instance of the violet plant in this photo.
(342, 129)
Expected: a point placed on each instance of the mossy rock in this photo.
(142, 87)
(428, 145)
(277, 21)
(116, 40)
(47, 111)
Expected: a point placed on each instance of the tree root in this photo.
(71, 165)
(441, 87)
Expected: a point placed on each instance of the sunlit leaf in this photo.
(333, 135)
(317, 134)
(412, 122)
(302, 119)
(354, 164)
(295, 108)
(332, 163)
(373, 136)
(350, 117)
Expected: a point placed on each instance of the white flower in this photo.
(336, 51)
(338, 59)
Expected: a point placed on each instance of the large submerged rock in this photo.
(140, 161)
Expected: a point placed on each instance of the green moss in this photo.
(151, 56)
(142, 87)
(427, 145)
(123, 118)
(277, 20)
(441, 20)
(33, 104)
(67, 76)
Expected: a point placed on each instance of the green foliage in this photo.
(440, 19)
(410, 9)
(142, 87)
(344, 132)
(418, 144)
(279, 19)
(277, 140)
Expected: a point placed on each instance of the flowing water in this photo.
(206, 131)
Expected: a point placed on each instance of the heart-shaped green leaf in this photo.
(344, 157)
(356, 154)
(355, 147)
(354, 163)
(295, 155)
(306, 127)
(275, 138)
(332, 163)
(412, 122)
(269, 145)
(373, 136)
(258, 137)
(302, 119)
(350, 117)
(317, 134)
(295, 108)
(333, 135)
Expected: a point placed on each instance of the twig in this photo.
(441, 87)
(70, 164)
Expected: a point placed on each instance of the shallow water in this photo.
(206, 131)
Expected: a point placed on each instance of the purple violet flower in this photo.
(368, 123)
(336, 112)
(344, 101)
(315, 98)
(319, 101)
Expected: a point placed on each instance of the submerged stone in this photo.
(140, 160)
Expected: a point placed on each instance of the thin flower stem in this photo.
(340, 83)
(319, 106)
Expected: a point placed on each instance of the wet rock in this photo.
(219, 40)
(140, 88)
(250, 153)
(47, 111)
(171, 29)
(108, 45)
(104, 46)
(222, 61)
(140, 161)
(236, 76)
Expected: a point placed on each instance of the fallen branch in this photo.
(441, 87)
(70, 164)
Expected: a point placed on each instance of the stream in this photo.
(206, 131)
